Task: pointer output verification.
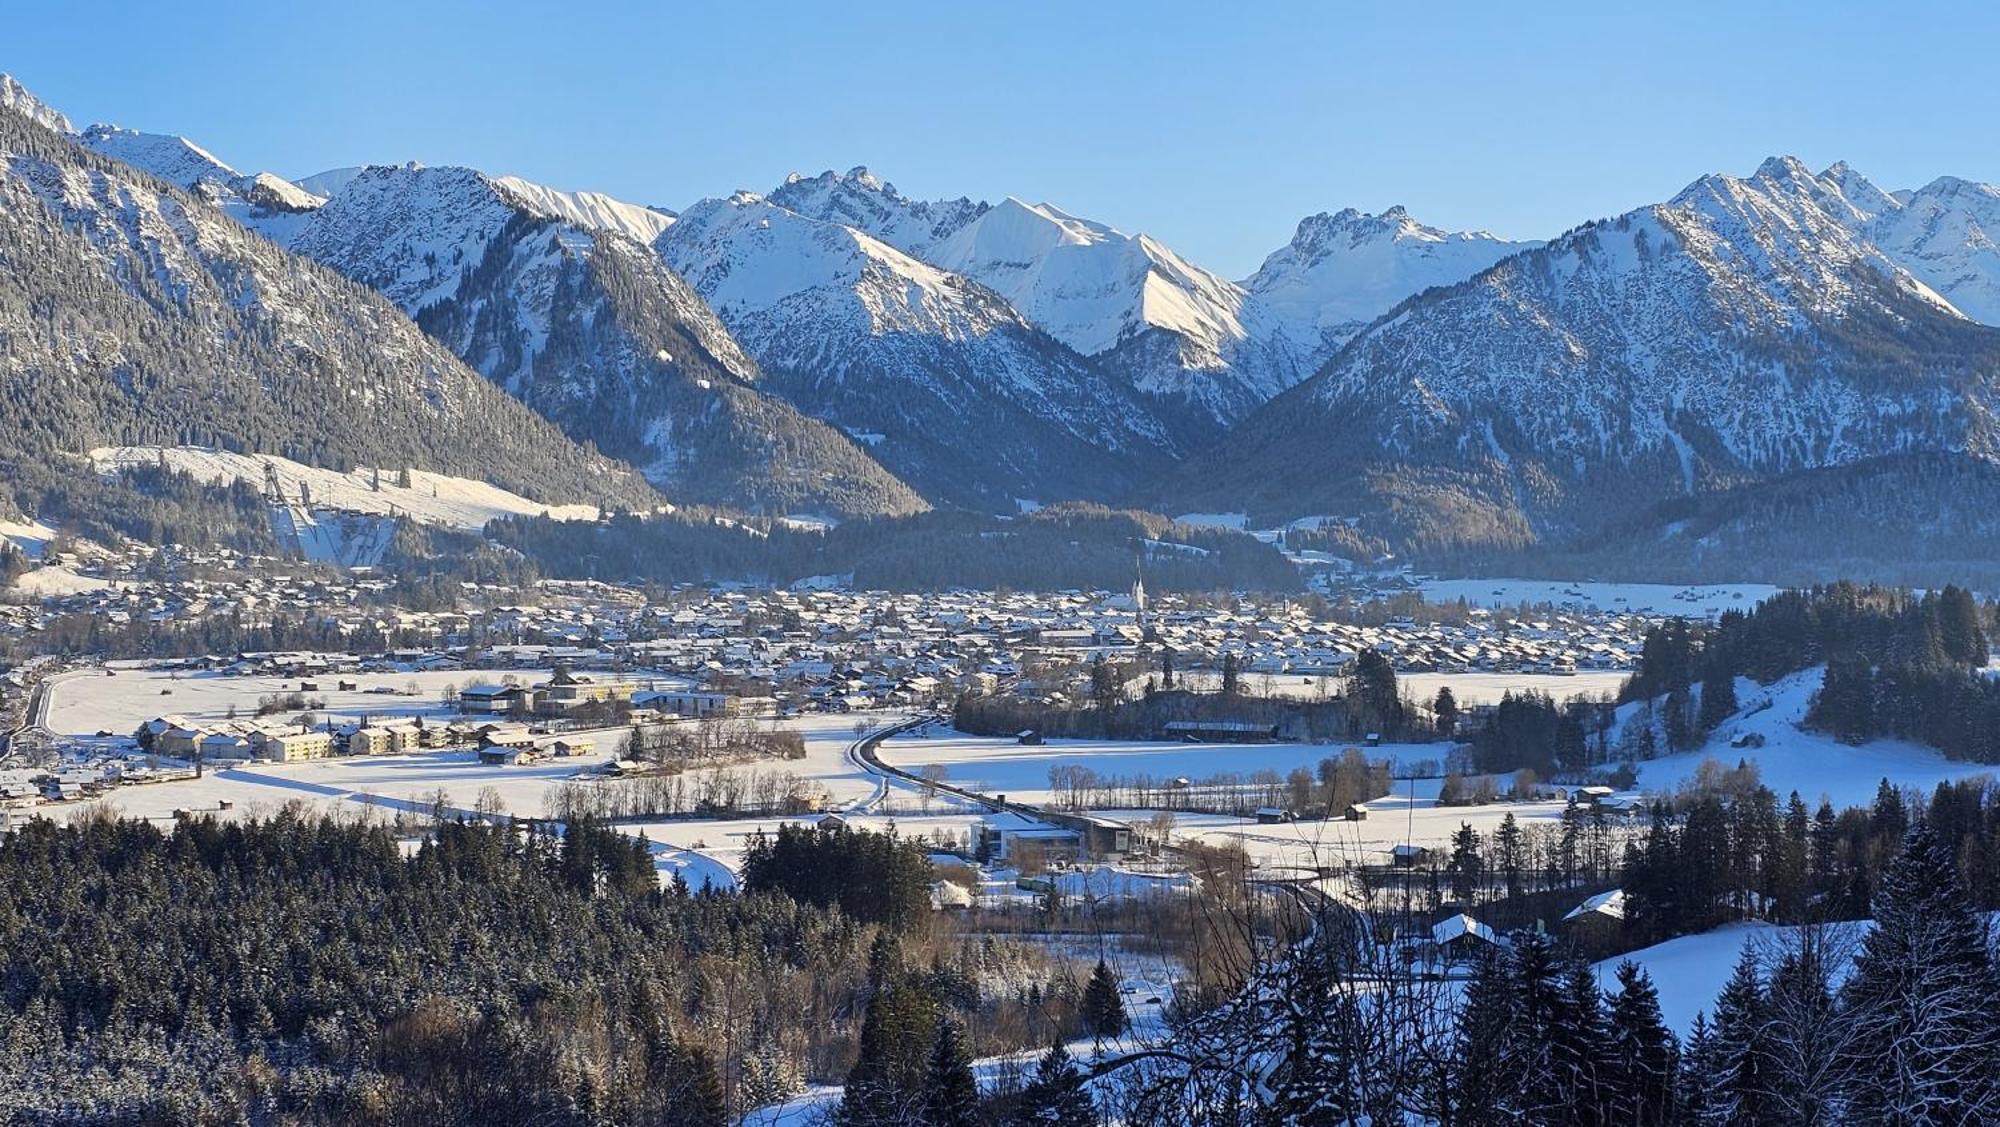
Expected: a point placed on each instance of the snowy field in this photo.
(1812, 763)
(389, 784)
(1467, 688)
(1393, 820)
(1636, 598)
(431, 498)
(82, 704)
(1001, 766)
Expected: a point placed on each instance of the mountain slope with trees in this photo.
(136, 314)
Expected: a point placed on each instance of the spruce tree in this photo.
(1103, 1011)
(1487, 1081)
(1699, 1076)
(1643, 1056)
(1926, 1033)
(1055, 1097)
(1806, 1040)
(1737, 1046)
(697, 1088)
(951, 1095)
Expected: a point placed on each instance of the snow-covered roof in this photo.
(1610, 904)
(1457, 927)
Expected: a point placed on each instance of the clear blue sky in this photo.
(1213, 129)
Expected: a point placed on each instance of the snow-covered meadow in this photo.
(124, 695)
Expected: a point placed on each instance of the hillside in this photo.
(150, 317)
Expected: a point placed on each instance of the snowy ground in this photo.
(1467, 688)
(31, 537)
(82, 704)
(1638, 598)
(1812, 763)
(53, 581)
(431, 498)
(1001, 766)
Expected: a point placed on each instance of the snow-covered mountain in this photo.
(952, 388)
(1206, 349)
(17, 99)
(549, 295)
(151, 317)
(1343, 270)
(326, 184)
(1946, 233)
(864, 201)
(1745, 328)
(267, 204)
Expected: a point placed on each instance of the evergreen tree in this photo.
(1700, 1075)
(1510, 854)
(1580, 1039)
(887, 1084)
(1806, 1043)
(1922, 1001)
(1737, 1046)
(1102, 1010)
(1643, 1057)
(697, 1089)
(1468, 869)
(1055, 1097)
(951, 1095)
(1718, 697)
(1960, 634)
(1445, 708)
(1487, 1082)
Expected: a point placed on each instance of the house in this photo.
(1220, 731)
(947, 895)
(368, 741)
(219, 746)
(485, 698)
(1600, 915)
(178, 740)
(698, 705)
(568, 690)
(1409, 856)
(1274, 815)
(831, 823)
(1028, 737)
(1356, 812)
(293, 747)
(1460, 936)
(1008, 837)
(502, 755)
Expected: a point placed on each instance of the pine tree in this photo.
(1580, 1039)
(1699, 1077)
(1487, 1081)
(1103, 1011)
(1737, 1046)
(697, 1089)
(1643, 1057)
(1718, 697)
(1960, 634)
(1055, 1097)
(1468, 869)
(951, 1095)
(1922, 999)
(1509, 854)
(1445, 708)
(887, 1081)
(1806, 1040)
